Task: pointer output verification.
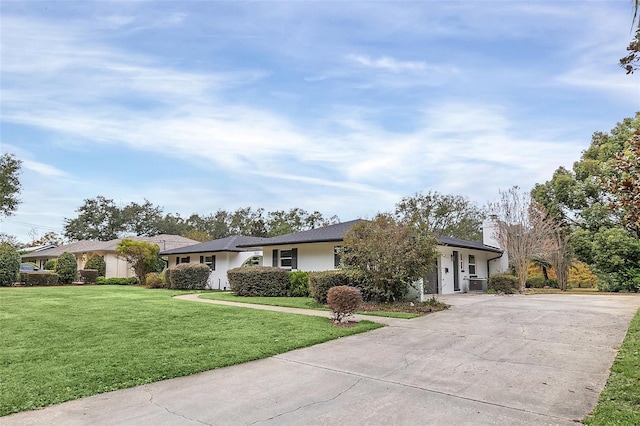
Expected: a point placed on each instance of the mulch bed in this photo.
(412, 308)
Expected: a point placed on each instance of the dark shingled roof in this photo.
(457, 242)
(318, 235)
(232, 243)
(337, 232)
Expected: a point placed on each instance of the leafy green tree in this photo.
(96, 262)
(98, 219)
(616, 254)
(447, 215)
(9, 184)
(391, 255)
(9, 264)
(66, 268)
(142, 256)
(598, 199)
(624, 185)
(141, 219)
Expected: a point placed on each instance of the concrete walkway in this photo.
(506, 360)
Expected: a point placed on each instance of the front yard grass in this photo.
(389, 310)
(64, 343)
(619, 402)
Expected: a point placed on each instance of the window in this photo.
(288, 259)
(185, 259)
(210, 261)
(285, 258)
(472, 265)
(337, 256)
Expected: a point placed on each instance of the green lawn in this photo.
(619, 402)
(296, 302)
(63, 343)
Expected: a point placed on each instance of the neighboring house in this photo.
(461, 265)
(220, 255)
(38, 248)
(116, 267)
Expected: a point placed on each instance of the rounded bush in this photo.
(98, 263)
(344, 301)
(154, 280)
(66, 268)
(258, 281)
(298, 284)
(9, 264)
(50, 265)
(503, 283)
(188, 276)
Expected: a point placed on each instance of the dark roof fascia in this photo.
(202, 247)
(288, 243)
(473, 245)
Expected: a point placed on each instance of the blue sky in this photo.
(336, 106)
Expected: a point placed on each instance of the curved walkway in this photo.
(518, 360)
(312, 312)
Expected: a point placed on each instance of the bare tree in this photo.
(523, 229)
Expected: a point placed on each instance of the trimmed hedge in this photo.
(344, 301)
(503, 283)
(38, 278)
(321, 282)
(88, 276)
(50, 265)
(117, 281)
(258, 281)
(298, 284)
(188, 276)
(536, 281)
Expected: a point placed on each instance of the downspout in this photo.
(489, 260)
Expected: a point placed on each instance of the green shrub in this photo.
(117, 281)
(50, 265)
(553, 283)
(321, 282)
(155, 280)
(66, 268)
(344, 301)
(9, 264)
(298, 284)
(503, 283)
(188, 276)
(98, 263)
(536, 281)
(258, 281)
(38, 278)
(88, 276)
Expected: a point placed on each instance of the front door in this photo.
(456, 271)
(431, 281)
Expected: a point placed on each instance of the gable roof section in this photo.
(318, 235)
(162, 240)
(230, 244)
(475, 245)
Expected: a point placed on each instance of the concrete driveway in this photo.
(503, 360)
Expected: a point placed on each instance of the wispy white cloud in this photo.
(388, 64)
(42, 169)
